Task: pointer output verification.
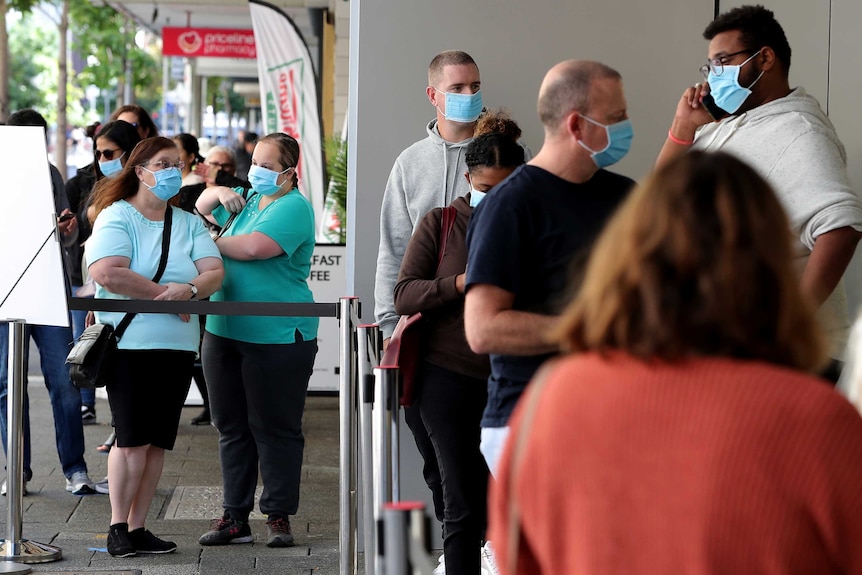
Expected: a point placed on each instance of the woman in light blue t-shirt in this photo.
(154, 363)
(257, 368)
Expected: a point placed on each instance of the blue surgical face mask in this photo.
(263, 181)
(620, 137)
(463, 108)
(725, 89)
(168, 183)
(476, 196)
(112, 167)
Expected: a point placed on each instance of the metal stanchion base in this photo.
(16, 568)
(27, 551)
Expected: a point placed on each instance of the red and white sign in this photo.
(211, 42)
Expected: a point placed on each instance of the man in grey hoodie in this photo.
(748, 109)
(427, 175)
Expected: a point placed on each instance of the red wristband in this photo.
(676, 140)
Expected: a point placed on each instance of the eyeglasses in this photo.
(107, 154)
(219, 165)
(716, 65)
(164, 164)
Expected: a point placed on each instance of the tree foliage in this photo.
(336, 196)
(106, 39)
(32, 59)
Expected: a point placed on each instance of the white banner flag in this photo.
(288, 93)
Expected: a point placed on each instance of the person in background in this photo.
(452, 379)
(190, 156)
(137, 117)
(243, 154)
(113, 144)
(257, 368)
(219, 168)
(681, 434)
(747, 77)
(526, 245)
(153, 366)
(53, 343)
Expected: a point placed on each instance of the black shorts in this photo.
(147, 394)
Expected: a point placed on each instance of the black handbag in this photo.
(91, 360)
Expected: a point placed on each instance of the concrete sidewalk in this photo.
(189, 496)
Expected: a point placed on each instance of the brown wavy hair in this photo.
(698, 261)
(126, 184)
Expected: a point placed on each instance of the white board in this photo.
(327, 280)
(31, 267)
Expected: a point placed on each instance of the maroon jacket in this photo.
(421, 288)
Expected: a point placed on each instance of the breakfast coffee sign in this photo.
(211, 42)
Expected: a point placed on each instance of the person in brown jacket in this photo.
(452, 379)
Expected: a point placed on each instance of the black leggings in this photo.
(451, 405)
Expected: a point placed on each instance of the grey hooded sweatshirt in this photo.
(794, 146)
(427, 175)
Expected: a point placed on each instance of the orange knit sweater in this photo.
(708, 466)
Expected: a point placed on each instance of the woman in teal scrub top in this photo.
(256, 367)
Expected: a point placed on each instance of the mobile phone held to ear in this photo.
(712, 109)
(66, 217)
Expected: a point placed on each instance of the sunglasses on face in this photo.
(107, 154)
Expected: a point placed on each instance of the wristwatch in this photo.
(194, 289)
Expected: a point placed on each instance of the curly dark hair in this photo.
(495, 143)
(757, 27)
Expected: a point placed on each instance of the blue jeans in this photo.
(79, 317)
(53, 343)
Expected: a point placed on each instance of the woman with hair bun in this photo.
(452, 379)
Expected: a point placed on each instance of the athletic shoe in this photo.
(203, 418)
(489, 564)
(146, 542)
(227, 531)
(119, 543)
(88, 415)
(278, 532)
(441, 566)
(3, 488)
(80, 484)
(101, 486)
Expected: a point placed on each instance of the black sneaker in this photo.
(88, 414)
(226, 531)
(203, 418)
(146, 542)
(119, 543)
(278, 532)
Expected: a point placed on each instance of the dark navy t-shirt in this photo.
(531, 236)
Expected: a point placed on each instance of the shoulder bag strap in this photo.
(234, 215)
(446, 223)
(163, 262)
(530, 399)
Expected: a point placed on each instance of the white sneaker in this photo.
(101, 486)
(80, 484)
(3, 488)
(441, 566)
(489, 564)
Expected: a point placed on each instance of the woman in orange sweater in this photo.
(683, 434)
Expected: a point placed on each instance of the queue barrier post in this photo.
(406, 539)
(370, 350)
(347, 318)
(16, 552)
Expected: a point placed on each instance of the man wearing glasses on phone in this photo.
(746, 107)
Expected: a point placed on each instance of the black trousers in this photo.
(451, 405)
